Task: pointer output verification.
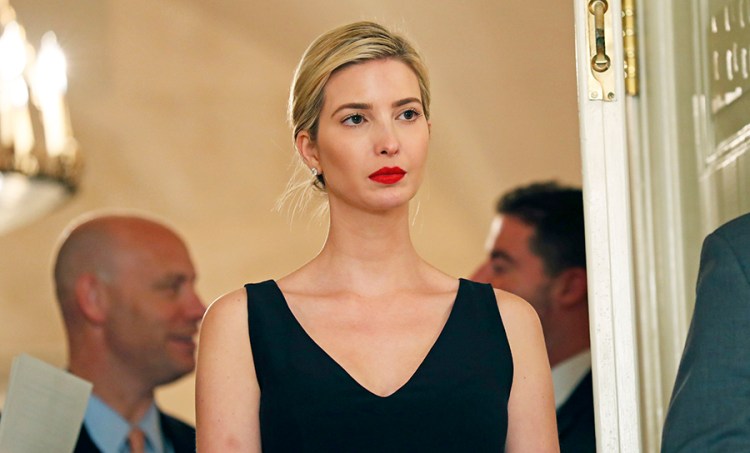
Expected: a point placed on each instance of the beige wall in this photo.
(179, 107)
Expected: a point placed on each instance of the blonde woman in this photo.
(367, 347)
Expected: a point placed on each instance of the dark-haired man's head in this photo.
(537, 251)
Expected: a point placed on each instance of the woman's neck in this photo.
(368, 250)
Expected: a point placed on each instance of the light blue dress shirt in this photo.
(109, 431)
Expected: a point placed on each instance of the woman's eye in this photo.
(354, 120)
(410, 115)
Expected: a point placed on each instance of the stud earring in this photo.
(314, 171)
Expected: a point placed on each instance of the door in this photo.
(607, 200)
(670, 162)
(693, 167)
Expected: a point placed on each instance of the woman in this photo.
(367, 347)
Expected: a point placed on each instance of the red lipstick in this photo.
(388, 175)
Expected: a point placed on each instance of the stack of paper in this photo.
(43, 410)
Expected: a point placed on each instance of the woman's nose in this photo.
(387, 143)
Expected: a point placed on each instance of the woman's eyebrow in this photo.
(366, 106)
(352, 105)
(405, 101)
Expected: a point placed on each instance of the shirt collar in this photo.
(150, 424)
(567, 374)
(109, 430)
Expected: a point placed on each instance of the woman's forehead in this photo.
(371, 80)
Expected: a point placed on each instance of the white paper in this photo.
(44, 408)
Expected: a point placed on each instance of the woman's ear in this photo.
(90, 298)
(308, 150)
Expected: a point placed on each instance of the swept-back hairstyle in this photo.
(336, 49)
(343, 46)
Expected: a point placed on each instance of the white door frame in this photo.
(606, 192)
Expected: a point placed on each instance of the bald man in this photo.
(125, 286)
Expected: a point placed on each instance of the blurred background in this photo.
(179, 108)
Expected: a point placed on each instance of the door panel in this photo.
(693, 164)
(724, 66)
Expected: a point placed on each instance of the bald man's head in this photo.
(125, 285)
(86, 248)
(92, 247)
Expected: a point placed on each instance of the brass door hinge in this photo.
(600, 38)
(601, 70)
(630, 47)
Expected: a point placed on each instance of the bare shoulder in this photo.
(521, 322)
(228, 304)
(223, 324)
(531, 409)
(227, 315)
(517, 314)
(226, 391)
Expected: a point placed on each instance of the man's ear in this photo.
(91, 297)
(308, 150)
(570, 287)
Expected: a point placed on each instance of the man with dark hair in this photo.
(537, 251)
(125, 286)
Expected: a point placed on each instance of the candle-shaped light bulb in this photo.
(13, 55)
(15, 122)
(23, 135)
(50, 69)
(49, 83)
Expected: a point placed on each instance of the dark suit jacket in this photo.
(179, 433)
(575, 420)
(710, 407)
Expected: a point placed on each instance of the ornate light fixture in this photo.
(40, 163)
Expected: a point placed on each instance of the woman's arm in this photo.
(226, 388)
(531, 408)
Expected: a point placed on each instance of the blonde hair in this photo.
(347, 45)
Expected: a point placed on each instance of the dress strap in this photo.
(265, 320)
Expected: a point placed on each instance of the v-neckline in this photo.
(349, 376)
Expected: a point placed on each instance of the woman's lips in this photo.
(388, 175)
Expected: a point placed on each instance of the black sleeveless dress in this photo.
(456, 401)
